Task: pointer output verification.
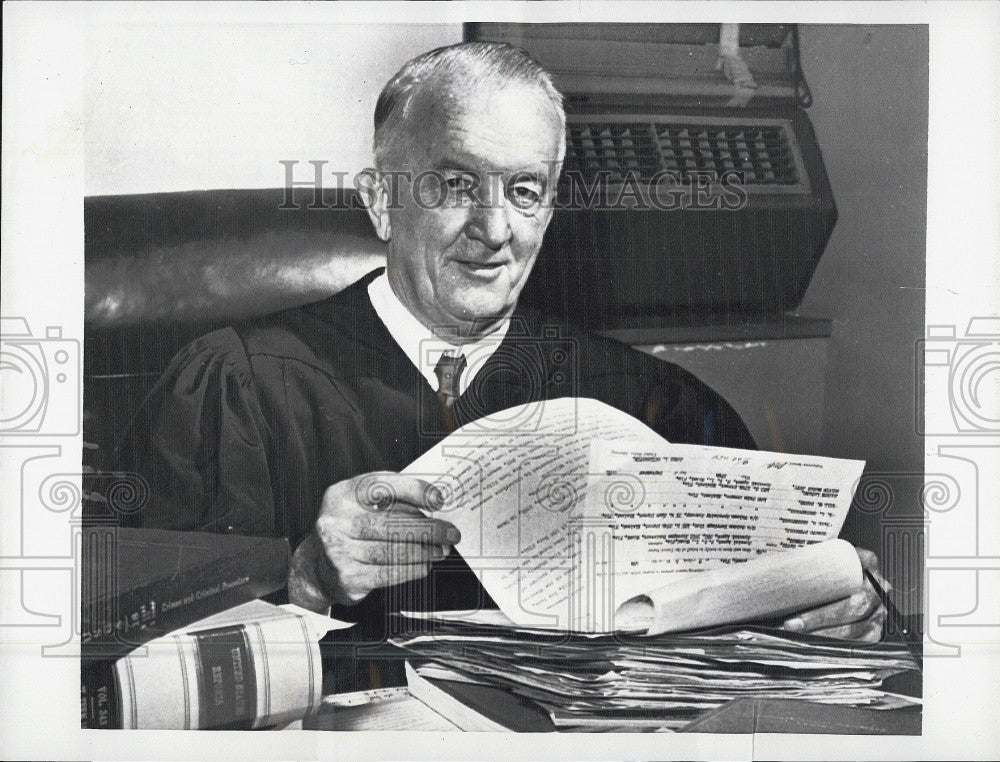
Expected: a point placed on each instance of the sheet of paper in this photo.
(580, 676)
(319, 624)
(400, 711)
(491, 617)
(680, 508)
(560, 534)
(515, 484)
(252, 611)
(259, 611)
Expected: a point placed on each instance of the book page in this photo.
(672, 508)
(515, 484)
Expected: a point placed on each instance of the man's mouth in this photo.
(481, 268)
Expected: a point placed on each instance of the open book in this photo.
(577, 516)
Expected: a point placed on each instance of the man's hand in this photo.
(370, 533)
(860, 616)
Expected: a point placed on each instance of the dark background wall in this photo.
(870, 116)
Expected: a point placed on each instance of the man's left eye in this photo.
(524, 196)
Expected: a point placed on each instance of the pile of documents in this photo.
(587, 525)
(615, 682)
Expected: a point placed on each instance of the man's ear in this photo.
(375, 194)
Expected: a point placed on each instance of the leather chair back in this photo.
(164, 268)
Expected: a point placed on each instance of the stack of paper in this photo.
(590, 682)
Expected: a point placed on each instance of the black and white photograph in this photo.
(372, 377)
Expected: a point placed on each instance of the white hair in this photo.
(464, 67)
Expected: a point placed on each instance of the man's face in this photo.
(466, 233)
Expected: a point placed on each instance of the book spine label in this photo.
(236, 676)
(227, 681)
(99, 703)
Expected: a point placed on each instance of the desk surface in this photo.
(387, 709)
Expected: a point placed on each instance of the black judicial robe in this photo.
(250, 424)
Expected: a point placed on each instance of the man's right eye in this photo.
(459, 183)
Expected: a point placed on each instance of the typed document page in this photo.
(679, 508)
(570, 507)
(515, 485)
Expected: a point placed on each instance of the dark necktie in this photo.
(449, 371)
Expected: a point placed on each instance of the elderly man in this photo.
(278, 426)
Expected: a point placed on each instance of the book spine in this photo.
(115, 620)
(99, 704)
(234, 678)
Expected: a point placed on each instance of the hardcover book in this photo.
(140, 584)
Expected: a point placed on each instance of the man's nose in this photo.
(489, 224)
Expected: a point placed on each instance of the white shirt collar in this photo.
(418, 342)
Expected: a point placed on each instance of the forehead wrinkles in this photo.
(502, 127)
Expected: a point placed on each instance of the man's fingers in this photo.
(374, 532)
(859, 631)
(382, 490)
(401, 527)
(868, 559)
(870, 563)
(360, 579)
(387, 552)
(382, 505)
(869, 630)
(854, 608)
